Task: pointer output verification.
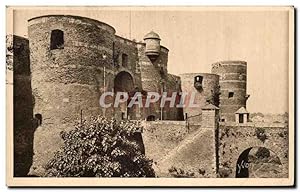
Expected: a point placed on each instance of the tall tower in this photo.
(153, 59)
(68, 56)
(233, 87)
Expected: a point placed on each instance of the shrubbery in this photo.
(262, 153)
(101, 148)
(180, 173)
(261, 134)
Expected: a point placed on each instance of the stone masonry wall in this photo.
(208, 93)
(53, 88)
(153, 75)
(22, 104)
(234, 139)
(66, 81)
(173, 86)
(175, 146)
(125, 46)
(233, 80)
(162, 136)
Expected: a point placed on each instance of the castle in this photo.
(67, 62)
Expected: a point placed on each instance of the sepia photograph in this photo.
(150, 96)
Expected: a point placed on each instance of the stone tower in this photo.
(153, 59)
(233, 87)
(67, 55)
(205, 87)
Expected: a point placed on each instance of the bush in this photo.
(261, 134)
(224, 172)
(101, 148)
(180, 173)
(262, 153)
(257, 115)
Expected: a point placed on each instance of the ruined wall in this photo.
(234, 139)
(233, 87)
(208, 93)
(69, 79)
(18, 61)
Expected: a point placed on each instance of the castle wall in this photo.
(129, 48)
(78, 80)
(18, 61)
(173, 85)
(208, 93)
(234, 139)
(66, 81)
(176, 146)
(233, 86)
(195, 155)
(162, 136)
(126, 60)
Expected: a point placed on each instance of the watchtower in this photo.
(233, 87)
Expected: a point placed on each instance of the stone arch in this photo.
(245, 147)
(150, 118)
(256, 143)
(122, 69)
(124, 82)
(243, 160)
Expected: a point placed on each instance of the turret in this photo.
(152, 41)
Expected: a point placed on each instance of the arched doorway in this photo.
(123, 82)
(242, 164)
(258, 162)
(151, 118)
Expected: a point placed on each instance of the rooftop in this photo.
(242, 110)
(151, 35)
(209, 107)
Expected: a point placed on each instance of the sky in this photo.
(196, 38)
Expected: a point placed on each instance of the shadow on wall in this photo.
(24, 123)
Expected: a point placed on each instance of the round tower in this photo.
(69, 56)
(152, 41)
(205, 87)
(153, 76)
(233, 85)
